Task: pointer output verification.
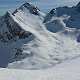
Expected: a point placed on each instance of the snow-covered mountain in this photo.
(34, 40)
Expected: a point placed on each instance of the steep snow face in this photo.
(34, 44)
(10, 33)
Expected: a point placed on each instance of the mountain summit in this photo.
(28, 7)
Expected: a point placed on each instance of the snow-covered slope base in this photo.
(69, 70)
(34, 40)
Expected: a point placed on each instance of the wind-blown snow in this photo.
(35, 44)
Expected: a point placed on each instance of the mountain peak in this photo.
(78, 7)
(28, 6)
(50, 15)
(78, 4)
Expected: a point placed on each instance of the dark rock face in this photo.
(78, 7)
(32, 9)
(12, 27)
(13, 30)
(78, 38)
(49, 15)
(13, 37)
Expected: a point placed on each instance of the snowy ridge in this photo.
(37, 42)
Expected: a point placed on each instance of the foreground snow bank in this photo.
(65, 71)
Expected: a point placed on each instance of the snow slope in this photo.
(64, 71)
